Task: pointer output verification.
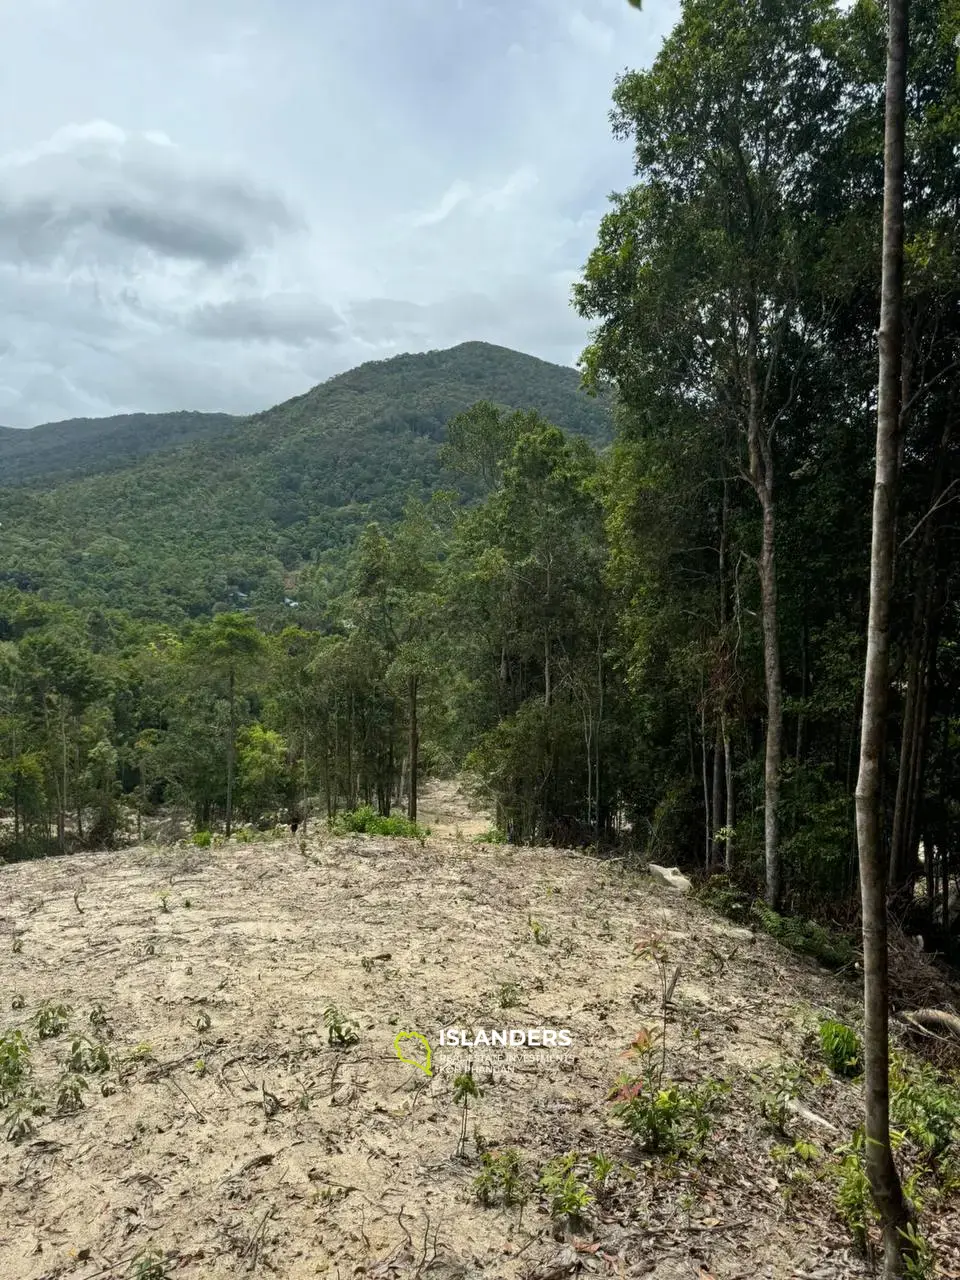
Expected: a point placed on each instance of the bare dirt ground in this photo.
(234, 1140)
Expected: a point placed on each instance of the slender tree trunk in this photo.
(717, 804)
(707, 824)
(413, 746)
(231, 750)
(881, 1168)
(761, 475)
(728, 852)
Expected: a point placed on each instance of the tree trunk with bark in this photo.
(761, 476)
(413, 746)
(885, 1184)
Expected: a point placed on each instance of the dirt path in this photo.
(235, 1140)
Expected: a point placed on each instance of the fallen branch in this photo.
(926, 1019)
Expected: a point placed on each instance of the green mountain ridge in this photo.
(171, 515)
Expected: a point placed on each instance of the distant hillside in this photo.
(170, 525)
(86, 446)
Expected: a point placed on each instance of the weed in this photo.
(150, 1265)
(603, 1172)
(203, 1021)
(341, 1030)
(200, 1067)
(17, 946)
(853, 1200)
(841, 1048)
(70, 1094)
(806, 936)
(925, 1107)
(165, 903)
(777, 1087)
(18, 1001)
(502, 1178)
(509, 995)
(918, 1260)
(202, 839)
(51, 1019)
(540, 935)
(187, 903)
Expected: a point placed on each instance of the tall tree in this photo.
(885, 1184)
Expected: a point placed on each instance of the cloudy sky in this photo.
(215, 204)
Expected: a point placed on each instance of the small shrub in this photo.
(366, 820)
(841, 1048)
(493, 835)
(665, 1116)
(202, 839)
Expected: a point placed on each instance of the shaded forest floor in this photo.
(233, 1139)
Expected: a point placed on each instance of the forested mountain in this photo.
(56, 451)
(171, 515)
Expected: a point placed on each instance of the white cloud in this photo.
(356, 179)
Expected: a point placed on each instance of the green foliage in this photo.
(927, 1108)
(665, 1117)
(568, 1198)
(14, 1065)
(503, 1178)
(853, 1198)
(841, 1048)
(51, 1019)
(134, 519)
(202, 839)
(366, 819)
(806, 936)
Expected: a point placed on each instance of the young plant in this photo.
(568, 1198)
(341, 1030)
(18, 1001)
(502, 1178)
(541, 935)
(150, 1265)
(85, 1056)
(509, 995)
(70, 1094)
(14, 1065)
(51, 1019)
(464, 1088)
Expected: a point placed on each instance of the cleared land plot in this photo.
(234, 1139)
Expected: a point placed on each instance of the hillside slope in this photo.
(226, 514)
(77, 447)
(231, 1132)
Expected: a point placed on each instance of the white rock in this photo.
(672, 877)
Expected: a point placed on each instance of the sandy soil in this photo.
(233, 1139)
